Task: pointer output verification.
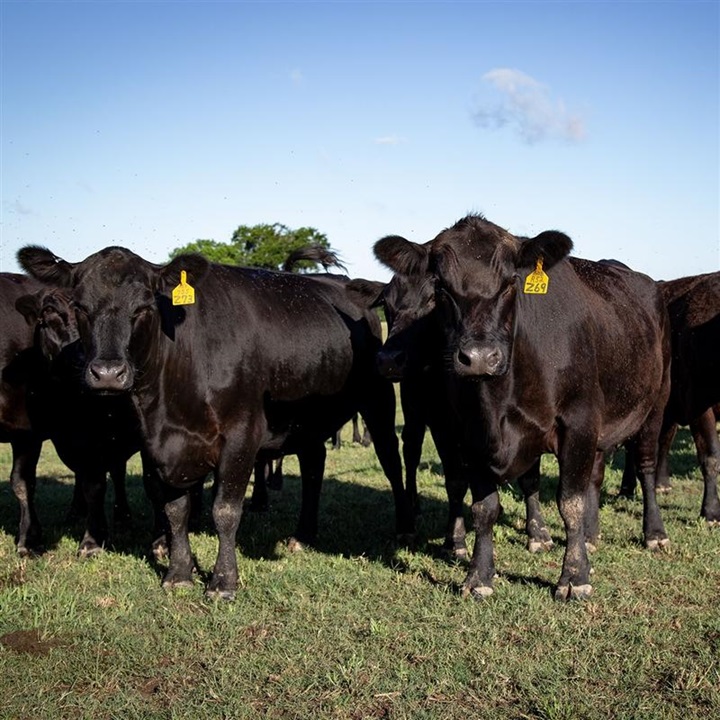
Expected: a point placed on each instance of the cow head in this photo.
(50, 312)
(409, 300)
(479, 271)
(120, 302)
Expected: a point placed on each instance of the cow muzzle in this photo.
(391, 364)
(479, 360)
(109, 376)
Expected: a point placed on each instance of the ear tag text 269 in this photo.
(183, 294)
(536, 283)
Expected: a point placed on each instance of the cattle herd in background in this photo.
(505, 347)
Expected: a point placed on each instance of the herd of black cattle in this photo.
(505, 347)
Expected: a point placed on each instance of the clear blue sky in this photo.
(153, 124)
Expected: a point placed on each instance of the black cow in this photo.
(17, 363)
(413, 355)
(573, 365)
(94, 436)
(694, 307)
(260, 364)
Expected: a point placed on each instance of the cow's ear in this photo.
(29, 307)
(552, 246)
(365, 293)
(401, 255)
(45, 266)
(196, 267)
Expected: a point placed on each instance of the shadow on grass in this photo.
(355, 519)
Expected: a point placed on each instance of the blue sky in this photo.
(153, 124)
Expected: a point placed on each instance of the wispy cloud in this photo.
(390, 140)
(296, 77)
(21, 209)
(528, 107)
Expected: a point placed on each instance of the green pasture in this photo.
(359, 627)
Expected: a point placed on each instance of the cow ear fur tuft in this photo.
(401, 255)
(552, 246)
(29, 307)
(44, 266)
(195, 265)
(365, 293)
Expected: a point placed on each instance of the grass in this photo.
(357, 627)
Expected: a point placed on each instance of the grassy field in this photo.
(359, 628)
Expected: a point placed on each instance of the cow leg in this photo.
(576, 459)
(78, 508)
(592, 509)
(311, 459)
(662, 477)
(629, 476)
(154, 490)
(196, 506)
(275, 478)
(456, 487)
(121, 507)
(366, 439)
(704, 431)
(413, 434)
(485, 511)
(227, 511)
(93, 483)
(231, 480)
(646, 463)
(259, 501)
(537, 533)
(356, 438)
(337, 440)
(380, 419)
(177, 512)
(25, 455)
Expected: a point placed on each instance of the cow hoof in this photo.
(459, 554)
(173, 584)
(220, 595)
(573, 592)
(479, 592)
(662, 489)
(657, 544)
(294, 545)
(713, 522)
(160, 550)
(537, 546)
(591, 547)
(89, 551)
(23, 551)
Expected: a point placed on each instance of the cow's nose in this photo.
(474, 360)
(391, 363)
(109, 375)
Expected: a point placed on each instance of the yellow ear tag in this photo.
(183, 294)
(536, 283)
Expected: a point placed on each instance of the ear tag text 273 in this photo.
(183, 294)
(536, 283)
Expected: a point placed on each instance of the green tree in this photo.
(264, 245)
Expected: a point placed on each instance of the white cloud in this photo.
(296, 76)
(528, 107)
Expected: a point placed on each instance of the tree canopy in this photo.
(264, 245)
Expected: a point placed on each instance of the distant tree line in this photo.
(265, 246)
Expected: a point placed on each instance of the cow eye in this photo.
(140, 312)
(79, 308)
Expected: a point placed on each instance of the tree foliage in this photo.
(264, 245)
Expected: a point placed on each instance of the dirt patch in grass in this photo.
(30, 642)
